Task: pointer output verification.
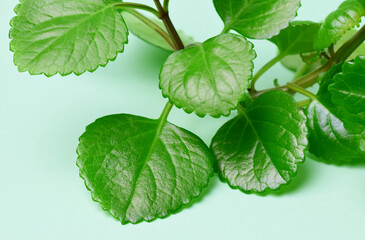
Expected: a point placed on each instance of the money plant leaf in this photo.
(338, 22)
(257, 19)
(297, 38)
(142, 169)
(348, 93)
(261, 148)
(210, 77)
(329, 137)
(66, 36)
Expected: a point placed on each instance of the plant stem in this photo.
(165, 112)
(152, 25)
(301, 90)
(340, 55)
(226, 29)
(164, 16)
(304, 103)
(166, 5)
(266, 67)
(125, 5)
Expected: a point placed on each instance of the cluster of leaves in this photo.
(141, 169)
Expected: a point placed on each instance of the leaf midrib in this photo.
(159, 129)
(243, 113)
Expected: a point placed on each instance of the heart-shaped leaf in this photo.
(297, 38)
(66, 36)
(329, 137)
(257, 19)
(210, 77)
(261, 148)
(348, 93)
(144, 32)
(338, 22)
(142, 169)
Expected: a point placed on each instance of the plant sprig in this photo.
(141, 169)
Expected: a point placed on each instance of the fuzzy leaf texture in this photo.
(297, 38)
(257, 19)
(348, 93)
(261, 148)
(66, 36)
(338, 22)
(210, 77)
(144, 32)
(329, 137)
(142, 169)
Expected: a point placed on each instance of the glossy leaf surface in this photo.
(297, 38)
(338, 22)
(348, 93)
(66, 36)
(257, 18)
(210, 77)
(144, 32)
(328, 137)
(142, 169)
(261, 148)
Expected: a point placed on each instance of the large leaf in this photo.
(144, 32)
(338, 22)
(297, 38)
(210, 77)
(142, 169)
(257, 18)
(66, 36)
(348, 93)
(328, 136)
(261, 148)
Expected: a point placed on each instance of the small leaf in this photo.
(348, 93)
(338, 22)
(141, 30)
(142, 169)
(328, 136)
(261, 148)
(257, 19)
(297, 38)
(210, 77)
(66, 36)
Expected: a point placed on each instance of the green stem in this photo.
(138, 6)
(226, 29)
(166, 5)
(152, 25)
(311, 78)
(350, 46)
(304, 103)
(266, 67)
(301, 90)
(165, 112)
(164, 16)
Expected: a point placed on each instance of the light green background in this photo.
(42, 197)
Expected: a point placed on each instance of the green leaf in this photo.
(256, 19)
(142, 169)
(359, 51)
(328, 137)
(297, 38)
(66, 36)
(261, 148)
(210, 77)
(300, 64)
(141, 30)
(348, 93)
(338, 22)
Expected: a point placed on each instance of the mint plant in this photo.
(140, 169)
